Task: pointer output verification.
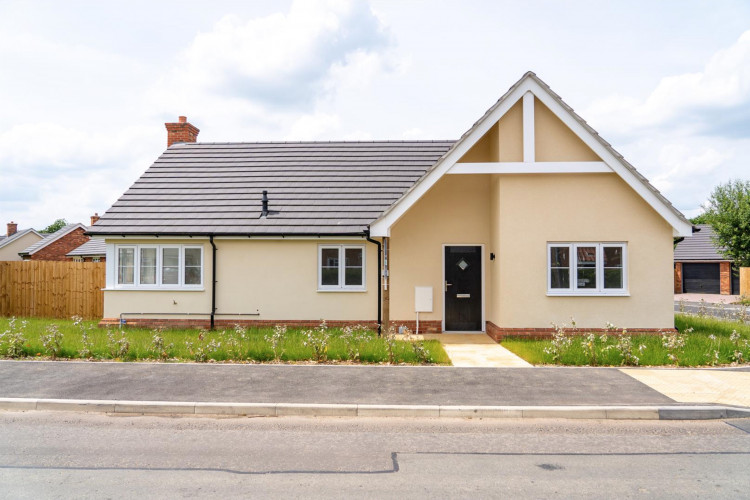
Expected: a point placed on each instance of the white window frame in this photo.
(117, 266)
(573, 266)
(138, 263)
(342, 287)
(180, 285)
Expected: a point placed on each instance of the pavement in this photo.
(352, 390)
(718, 306)
(709, 298)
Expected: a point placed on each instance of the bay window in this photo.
(586, 269)
(159, 266)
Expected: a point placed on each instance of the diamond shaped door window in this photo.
(462, 264)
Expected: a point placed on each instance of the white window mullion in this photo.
(342, 267)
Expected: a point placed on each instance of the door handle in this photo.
(447, 285)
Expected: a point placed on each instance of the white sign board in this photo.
(422, 299)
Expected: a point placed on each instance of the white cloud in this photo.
(690, 102)
(691, 132)
(280, 62)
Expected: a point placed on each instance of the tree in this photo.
(699, 219)
(728, 213)
(58, 224)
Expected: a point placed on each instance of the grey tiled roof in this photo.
(698, 247)
(6, 240)
(50, 238)
(94, 246)
(313, 187)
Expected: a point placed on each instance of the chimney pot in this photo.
(94, 218)
(181, 131)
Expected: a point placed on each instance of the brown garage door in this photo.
(701, 278)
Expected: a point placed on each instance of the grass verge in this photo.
(25, 337)
(702, 341)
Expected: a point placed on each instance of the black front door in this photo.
(463, 288)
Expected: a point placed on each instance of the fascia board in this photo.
(382, 226)
(680, 228)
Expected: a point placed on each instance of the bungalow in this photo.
(529, 218)
(55, 246)
(14, 241)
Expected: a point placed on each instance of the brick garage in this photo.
(700, 267)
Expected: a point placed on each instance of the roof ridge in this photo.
(378, 141)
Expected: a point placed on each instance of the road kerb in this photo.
(673, 412)
(246, 409)
(157, 407)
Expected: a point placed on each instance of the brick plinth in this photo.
(228, 323)
(57, 250)
(427, 326)
(497, 333)
(678, 277)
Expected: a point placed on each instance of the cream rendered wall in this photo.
(554, 141)
(503, 142)
(279, 279)
(10, 251)
(533, 210)
(455, 211)
(157, 301)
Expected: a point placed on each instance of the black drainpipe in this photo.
(380, 285)
(213, 280)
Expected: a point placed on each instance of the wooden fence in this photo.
(745, 281)
(50, 289)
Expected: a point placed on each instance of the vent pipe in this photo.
(264, 211)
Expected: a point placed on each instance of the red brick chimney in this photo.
(94, 218)
(12, 228)
(182, 131)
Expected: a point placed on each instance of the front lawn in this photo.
(68, 339)
(701, 341)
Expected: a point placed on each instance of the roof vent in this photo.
(264, 210)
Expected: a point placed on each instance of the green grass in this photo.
(252, 348)
(698, 349)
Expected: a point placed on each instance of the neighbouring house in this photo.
(700, 267)
(529, 218)
(93, 250)
(14, 241)
(56, 246)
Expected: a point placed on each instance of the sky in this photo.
(86, 87)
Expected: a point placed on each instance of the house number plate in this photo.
(463, 295)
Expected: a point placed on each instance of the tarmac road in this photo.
(99, 456)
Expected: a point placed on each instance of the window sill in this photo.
(164, 289)
(344, 290)
(588, 294)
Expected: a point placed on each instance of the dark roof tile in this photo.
(313, 187)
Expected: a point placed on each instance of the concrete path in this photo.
(728, 387)
(477, 350)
